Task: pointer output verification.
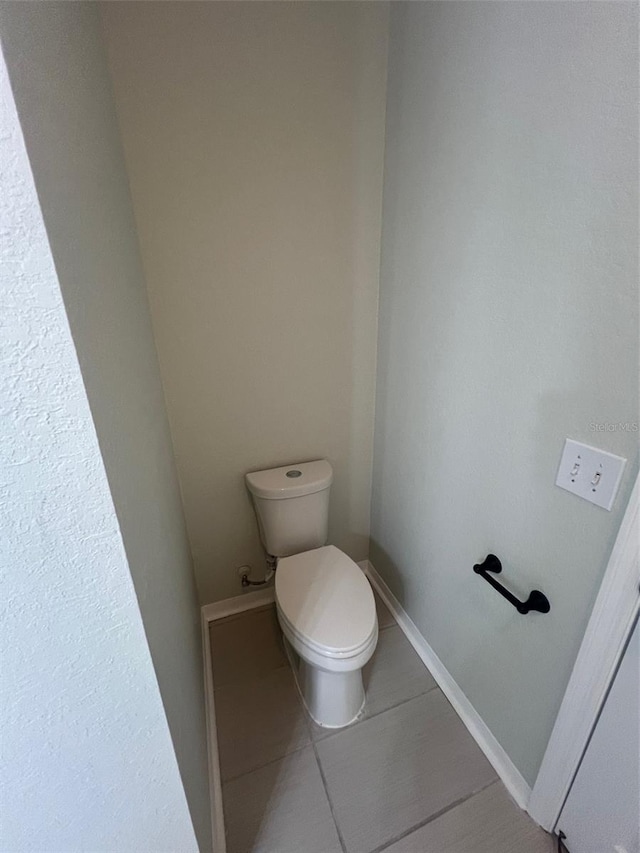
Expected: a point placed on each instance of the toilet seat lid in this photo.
(327, 599)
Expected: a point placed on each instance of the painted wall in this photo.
(59, 76)
(253, 135)
(87, 757)
(508, 321)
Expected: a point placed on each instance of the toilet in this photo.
(324, 602)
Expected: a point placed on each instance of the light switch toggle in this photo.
(590, 473)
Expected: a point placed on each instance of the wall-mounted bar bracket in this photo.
(537, 600)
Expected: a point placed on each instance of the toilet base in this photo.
(332, 699)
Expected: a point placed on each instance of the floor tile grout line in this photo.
(374, 716)
(443, 811)
(241, 614)
(329, 800)
(288, 665)
(267, 763)
(316, 745)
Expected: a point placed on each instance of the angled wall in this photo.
(59, 77)
(87, 757)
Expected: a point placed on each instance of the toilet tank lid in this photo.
(290, 481)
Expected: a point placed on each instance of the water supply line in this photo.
(272, 563)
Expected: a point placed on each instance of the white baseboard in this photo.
(511, 777)
(210, 613)
(215, 779)
(237, 604)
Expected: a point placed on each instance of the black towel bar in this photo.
(537, 600)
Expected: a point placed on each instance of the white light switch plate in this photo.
(590, 473)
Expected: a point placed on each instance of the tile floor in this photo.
(406, 778)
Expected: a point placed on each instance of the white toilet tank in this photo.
(292, 506)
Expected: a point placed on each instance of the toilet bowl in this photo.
(325, 604)
(328, 617)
